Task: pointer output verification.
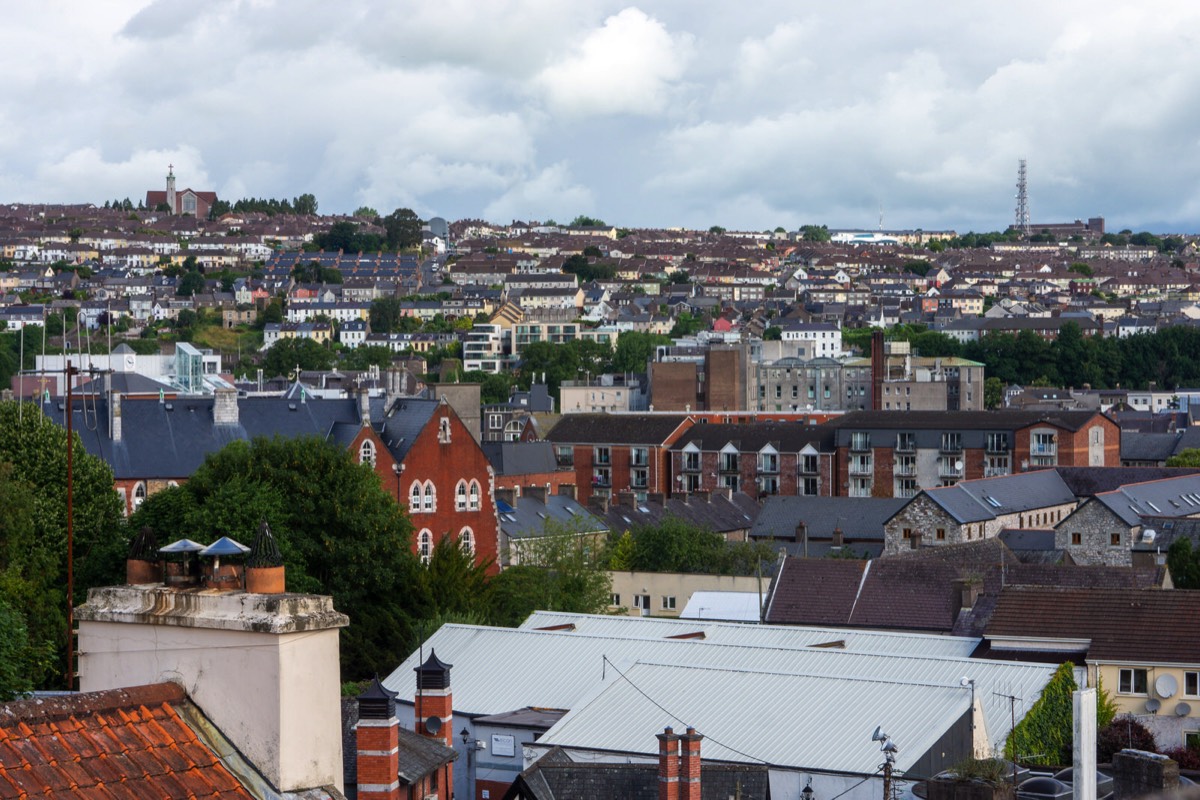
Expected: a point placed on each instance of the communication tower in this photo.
(1022, 223)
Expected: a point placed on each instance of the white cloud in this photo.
(549, 193)
(630, 65)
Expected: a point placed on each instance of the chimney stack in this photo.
(364, 406)
(689, 766)
(264, 566)
(508, 495)
(225, 407)
(838, 537)
(377, 742)
(114, 416)
(566, 490)
(668, 765)
(536, 492)
(433, 711)
(968, 592)
(598, 503)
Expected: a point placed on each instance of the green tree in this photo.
(340, 236)
(717, 229)
(634, 349)
(364, 357)
(305, 204)
(366, 212)
(339, 531)
(192, 283)
(773, 333)
(814, 233)
(583, 221)
(1183, 561)
(284, 356)
(403, 228)
(272, 313)
(560, 570)
(993, 393)
(1081, 268)
(686, 324)
(675, 545)
(33, 540)
(1189, 457)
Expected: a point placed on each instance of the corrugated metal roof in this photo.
(789, 720)
(492, 672)
(790, 636)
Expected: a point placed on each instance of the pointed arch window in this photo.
(414, 498)
(425, 545)
(366, 453)
(473, 496)
(460, 496)
(430, 500)
(466, 541)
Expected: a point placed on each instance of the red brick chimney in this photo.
(434, 706)
(377, 743)
(878, 370)
(668, 765)
(689, 766)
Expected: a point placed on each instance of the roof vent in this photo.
(1148, 535)
(377, 702)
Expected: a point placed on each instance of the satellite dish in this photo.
(958, 465)
(434, 724)
(1166, 686)
(1182, 710)
(1153, 705)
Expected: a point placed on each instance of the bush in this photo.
(1185, 757)
(1123, 732)
(989, 770)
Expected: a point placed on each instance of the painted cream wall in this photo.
(1168, 727)
(274, 691)
(679, 585)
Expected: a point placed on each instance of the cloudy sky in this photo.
(668, 112)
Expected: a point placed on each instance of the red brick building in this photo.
(428, 459)
(612, 453)
(757, 458)
(898, 453)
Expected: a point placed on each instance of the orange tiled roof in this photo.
(122, 743)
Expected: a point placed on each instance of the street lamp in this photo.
(807, 792)
(397, 469)
(470, 745)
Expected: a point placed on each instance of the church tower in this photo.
(171, 188)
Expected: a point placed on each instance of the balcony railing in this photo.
(995, 472)
(906, 446)
(601, 479)
(729, 466)
(639, 459)
(860, 444)
(997, 446)
(691, 466)
(1043, 450)
(949, 471)
(951, 446)
(602, 458)
(860, 467)
(906, 470)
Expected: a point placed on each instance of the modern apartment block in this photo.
(898, 453)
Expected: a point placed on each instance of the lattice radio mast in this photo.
(1022, 223)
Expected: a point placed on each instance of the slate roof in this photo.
(556, 776)
(717, 513)
(1089, 481)
(988, 498)
(171, 439)
(1139, 446)
(1168, 497)
(615, 428)
(119, 743)
(860, 518)
(520, 458)
(1139, 625)
(917, 590)
(960, 420)
(527, 517)
(788, 437)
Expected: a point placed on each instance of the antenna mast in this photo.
(1022, 223)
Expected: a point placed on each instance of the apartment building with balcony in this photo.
(613, 453)
(898, 453)
(758, 458)
(486, 348)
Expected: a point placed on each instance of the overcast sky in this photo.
(675, 112)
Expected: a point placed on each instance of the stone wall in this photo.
(1095, 525)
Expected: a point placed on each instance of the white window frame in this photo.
(668, 602)
(429, 501)
(1127, 681)
(425, 545)
(473, 496)
(366, 452)
(466, 541)
(415, 492)
(460, 496)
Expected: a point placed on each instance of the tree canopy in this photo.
(284, 356)
(339, 531)
(675, 545)
(33, 527)
(403, 228)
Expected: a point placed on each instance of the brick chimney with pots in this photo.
(377, 744)
(668, 765)
(433, 711)
(839, 538)
(689, 765)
